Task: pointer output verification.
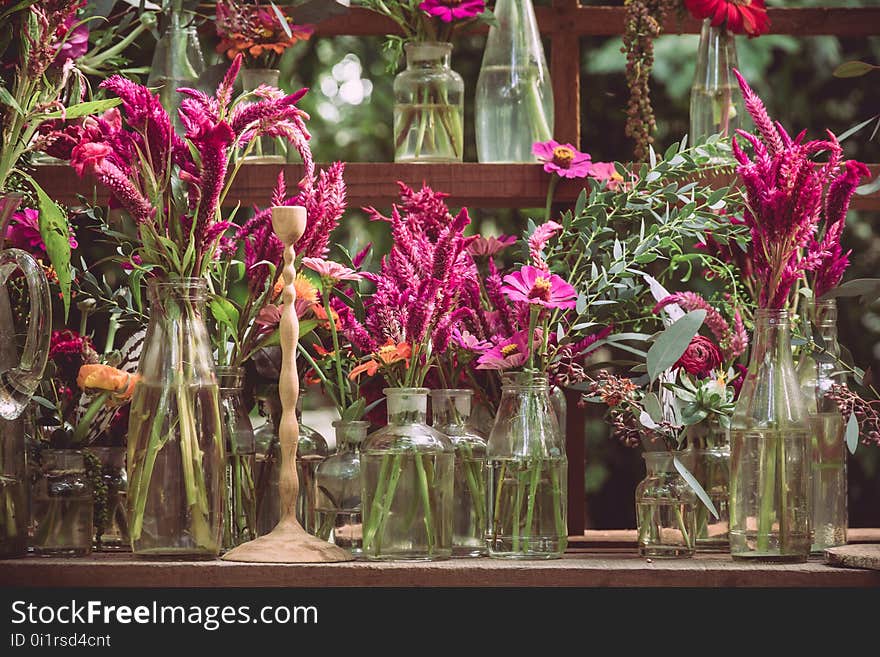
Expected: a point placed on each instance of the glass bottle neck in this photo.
(231, 379)
(350, 434)
(451, 408)
(428, 54)
(192, 291)
(716, 56)
(661, 462)
(407, 405)
(821, 319)
(772, 341)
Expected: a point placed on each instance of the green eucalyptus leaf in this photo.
(852, 433)
(652, 405)
(853, 69)
(673, 342)
(695, 485)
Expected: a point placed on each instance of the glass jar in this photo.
(665, 508)
(514, 99)
(311, 451)
(268, 457)
(62, 505)
(528, 472)
(818, 372)
(338, 481)
(709, 455)
(110, 500)
(240, 510)
(716, 102)
(265, 150)
(769, 452)
(428, 106)
(176, 454)
(450, 414)
(407, 477)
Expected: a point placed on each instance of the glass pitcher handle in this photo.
(19, 383)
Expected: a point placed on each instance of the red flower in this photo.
(453, 10)
(700, 358)
(88, 155)
(738, 16)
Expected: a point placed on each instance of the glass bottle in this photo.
(268, 457)
(407, 477)
(514, 99)
(665, 508)
(62, 505)
(177, 59)
(450, 414)
(176, 454)
(818, 371)
(528, 472)
(240, 510)
(338, 481)
(716, 102)
(428, 106)
(111, 522)
(709, 454)
(311, 451)
(769, 452)
(265, 150)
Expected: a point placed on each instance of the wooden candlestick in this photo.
(288, 542)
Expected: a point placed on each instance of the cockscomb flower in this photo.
(538, 241)
(331, 272)
(536, 287)
(453, 10)
(562, 159)
(23, 233)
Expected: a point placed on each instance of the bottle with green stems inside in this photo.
(528, 473)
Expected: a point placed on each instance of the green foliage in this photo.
(671, 344)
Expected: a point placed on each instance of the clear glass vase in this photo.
(716, 102)
(407, 473)
(265, 150)
(709, 454)
(450, 415)
(428, 106)
(111, 500)
(240, 510)
(62, 505)
(176, 454)
(528, 473)
(665, 508)
(514, 99)
(177, 60)
(770, 452)
(818, 372)
(338, 480)
(311, 451)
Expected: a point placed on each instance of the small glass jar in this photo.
(428, 106)
(338, 480)
(110, 517)
(264, 150)
(407, 473)
(450, 415)
(709, 455)
(240, 511)
(665, 509)
(528, 473)
(62, 505)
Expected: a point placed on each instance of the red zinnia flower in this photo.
(738, 16)
(453, 10)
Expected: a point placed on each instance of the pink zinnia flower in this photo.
(509, 353)
(470, 342)
(453, 10)
(331, 271)
(77, 40)
(490, 246)
(533, 286)
(605, 172)
(562, 159)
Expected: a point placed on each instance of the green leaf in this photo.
(673, 342)
(7, 99)
(306, 326)
(854, 69)
(56, 236)
(225, 313)
(82, 109)
(652, 405)
(581, 203)
(695, 485)
(355, 411)
(852, 433)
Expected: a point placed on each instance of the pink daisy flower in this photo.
(453, 10)
(562, 159)
(490, 246)
(512, 352)
(331, 271)
(533, 286)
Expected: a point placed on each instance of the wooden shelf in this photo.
(374, 184)
(599, 559)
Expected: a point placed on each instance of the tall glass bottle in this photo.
(176, 454)
(818, 372)
(428, 106)
(338, 480)
(407, 473)
(450, 415)
(514, 100)
(716, 102)
(528, 473)
(240, 510)
(770, 453)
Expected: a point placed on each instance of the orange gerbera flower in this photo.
(305, 291)
(321, 314)
(105, 377)
(388, 354)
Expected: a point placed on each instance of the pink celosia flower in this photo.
(538, 241)
(330, 271)
(490, 246)
(732, 342)
(562, 159)
(533, 286)
(23, 233)
(509, 353)
(453, 10)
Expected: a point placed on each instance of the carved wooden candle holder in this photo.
(288, 542)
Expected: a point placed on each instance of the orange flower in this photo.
(305, 291)
(322, 352)
(105, 377)
(388, 354)
(278, 287)
(321, 314)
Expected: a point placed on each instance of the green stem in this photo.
(768, 489)
(551, 191)
(684, 533)
(82, 427)
(337, 355)
(425, 494)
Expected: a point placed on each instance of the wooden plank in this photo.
(575, 451)
(580, 570)
(469, 184)
(609, 21)
(565, 71)
(626, 538)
